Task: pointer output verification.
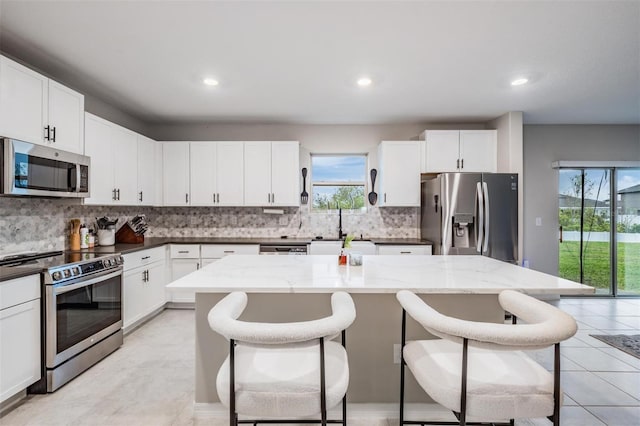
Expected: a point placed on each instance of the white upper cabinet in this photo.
(146, 171)
(230, 173)
(66, 117)
(203, 173)
(175, 173)
(460, 151)
(399, 174)
(36, 109)
(114, 162)
(271, 175)
(23, 102)
(216, 173)
(125, 171)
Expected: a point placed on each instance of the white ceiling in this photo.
(297, 61)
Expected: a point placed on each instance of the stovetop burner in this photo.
(61, 266)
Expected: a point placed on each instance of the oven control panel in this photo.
(76, 270)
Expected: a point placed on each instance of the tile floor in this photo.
(149, 381)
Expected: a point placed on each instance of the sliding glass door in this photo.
(628, 231)
(600, 234)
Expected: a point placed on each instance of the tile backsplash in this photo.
(42, 224)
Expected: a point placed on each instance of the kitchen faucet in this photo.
(340, 233)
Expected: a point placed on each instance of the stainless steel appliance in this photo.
(471, 213)
(35, 170)
(287, 249)
(82, 312)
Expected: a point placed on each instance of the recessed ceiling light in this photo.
(210, 81)
(364, 82)
(519, 81)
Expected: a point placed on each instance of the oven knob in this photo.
(67, 273)
(120, 260)
(56, 275)
(78, 270)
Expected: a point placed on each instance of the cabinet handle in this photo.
(273, 197)
(146, 257)
(140, 198)
(458, 163)
(218, 198)
(47, 135)
(268, 197)
(229, 251)
(405, 252)
(113, 195)
(462, 163)
(198, 265)
(53, 134)
(186, 198)
(118, 192)
(385, 197)
(213, 196)
(183, 251)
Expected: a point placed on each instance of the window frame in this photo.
(364, 183)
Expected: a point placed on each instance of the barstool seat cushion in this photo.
(276, 381)
(500, 384)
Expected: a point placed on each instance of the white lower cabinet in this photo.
(20, 350)
(144, 282)
(413, 249)
(187, 258)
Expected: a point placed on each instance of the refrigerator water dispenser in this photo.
(463, 232)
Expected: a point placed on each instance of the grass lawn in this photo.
(597, 265)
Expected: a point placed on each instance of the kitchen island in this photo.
(296, 288)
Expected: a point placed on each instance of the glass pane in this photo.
(585, 247)
(338, 168)
(333, 197)
(570, 202)
(628, 219)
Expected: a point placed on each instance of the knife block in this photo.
(126, 235)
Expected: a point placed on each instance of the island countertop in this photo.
(378, 274)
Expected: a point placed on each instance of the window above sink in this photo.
(338, 181)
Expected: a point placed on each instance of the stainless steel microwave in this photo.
(42, 171)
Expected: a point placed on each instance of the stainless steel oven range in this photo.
(82, 314)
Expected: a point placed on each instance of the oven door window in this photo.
(82, 312)
(33, 172)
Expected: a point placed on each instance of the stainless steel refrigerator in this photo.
(471, 213)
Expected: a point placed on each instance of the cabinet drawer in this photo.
(216, 251)
(393, 250)
(19, 290)
(185, 251)
(144, 257)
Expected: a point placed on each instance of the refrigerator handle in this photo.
(480, 222)
(485, 189)
(435, 202)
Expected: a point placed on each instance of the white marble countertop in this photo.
(378, 274)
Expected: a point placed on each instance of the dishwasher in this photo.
(283, 249)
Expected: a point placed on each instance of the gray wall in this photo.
(544, 144)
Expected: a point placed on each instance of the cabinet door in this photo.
(134, 295)
(158, 174)
(399, 174)
(180, 268)
(146, 171)
(285, 173)
(442, 151)
(478, 151)
(23, 102)
(125, 146)
(257, 173)
(98, 147)
(203, 173)
(155, 287)
(230, 173)
(175, 165)
(20, 349)
(66, 116)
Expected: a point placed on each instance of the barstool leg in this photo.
(344, 398)
(404, 325)
(233, 417)
(323, 396)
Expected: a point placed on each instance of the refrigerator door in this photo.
(500, 192)
(459, 212)
(431, 212)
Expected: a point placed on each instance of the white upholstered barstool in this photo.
(282, 370)
(477, 369)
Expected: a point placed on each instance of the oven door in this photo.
(43, 171)
(81, 313)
